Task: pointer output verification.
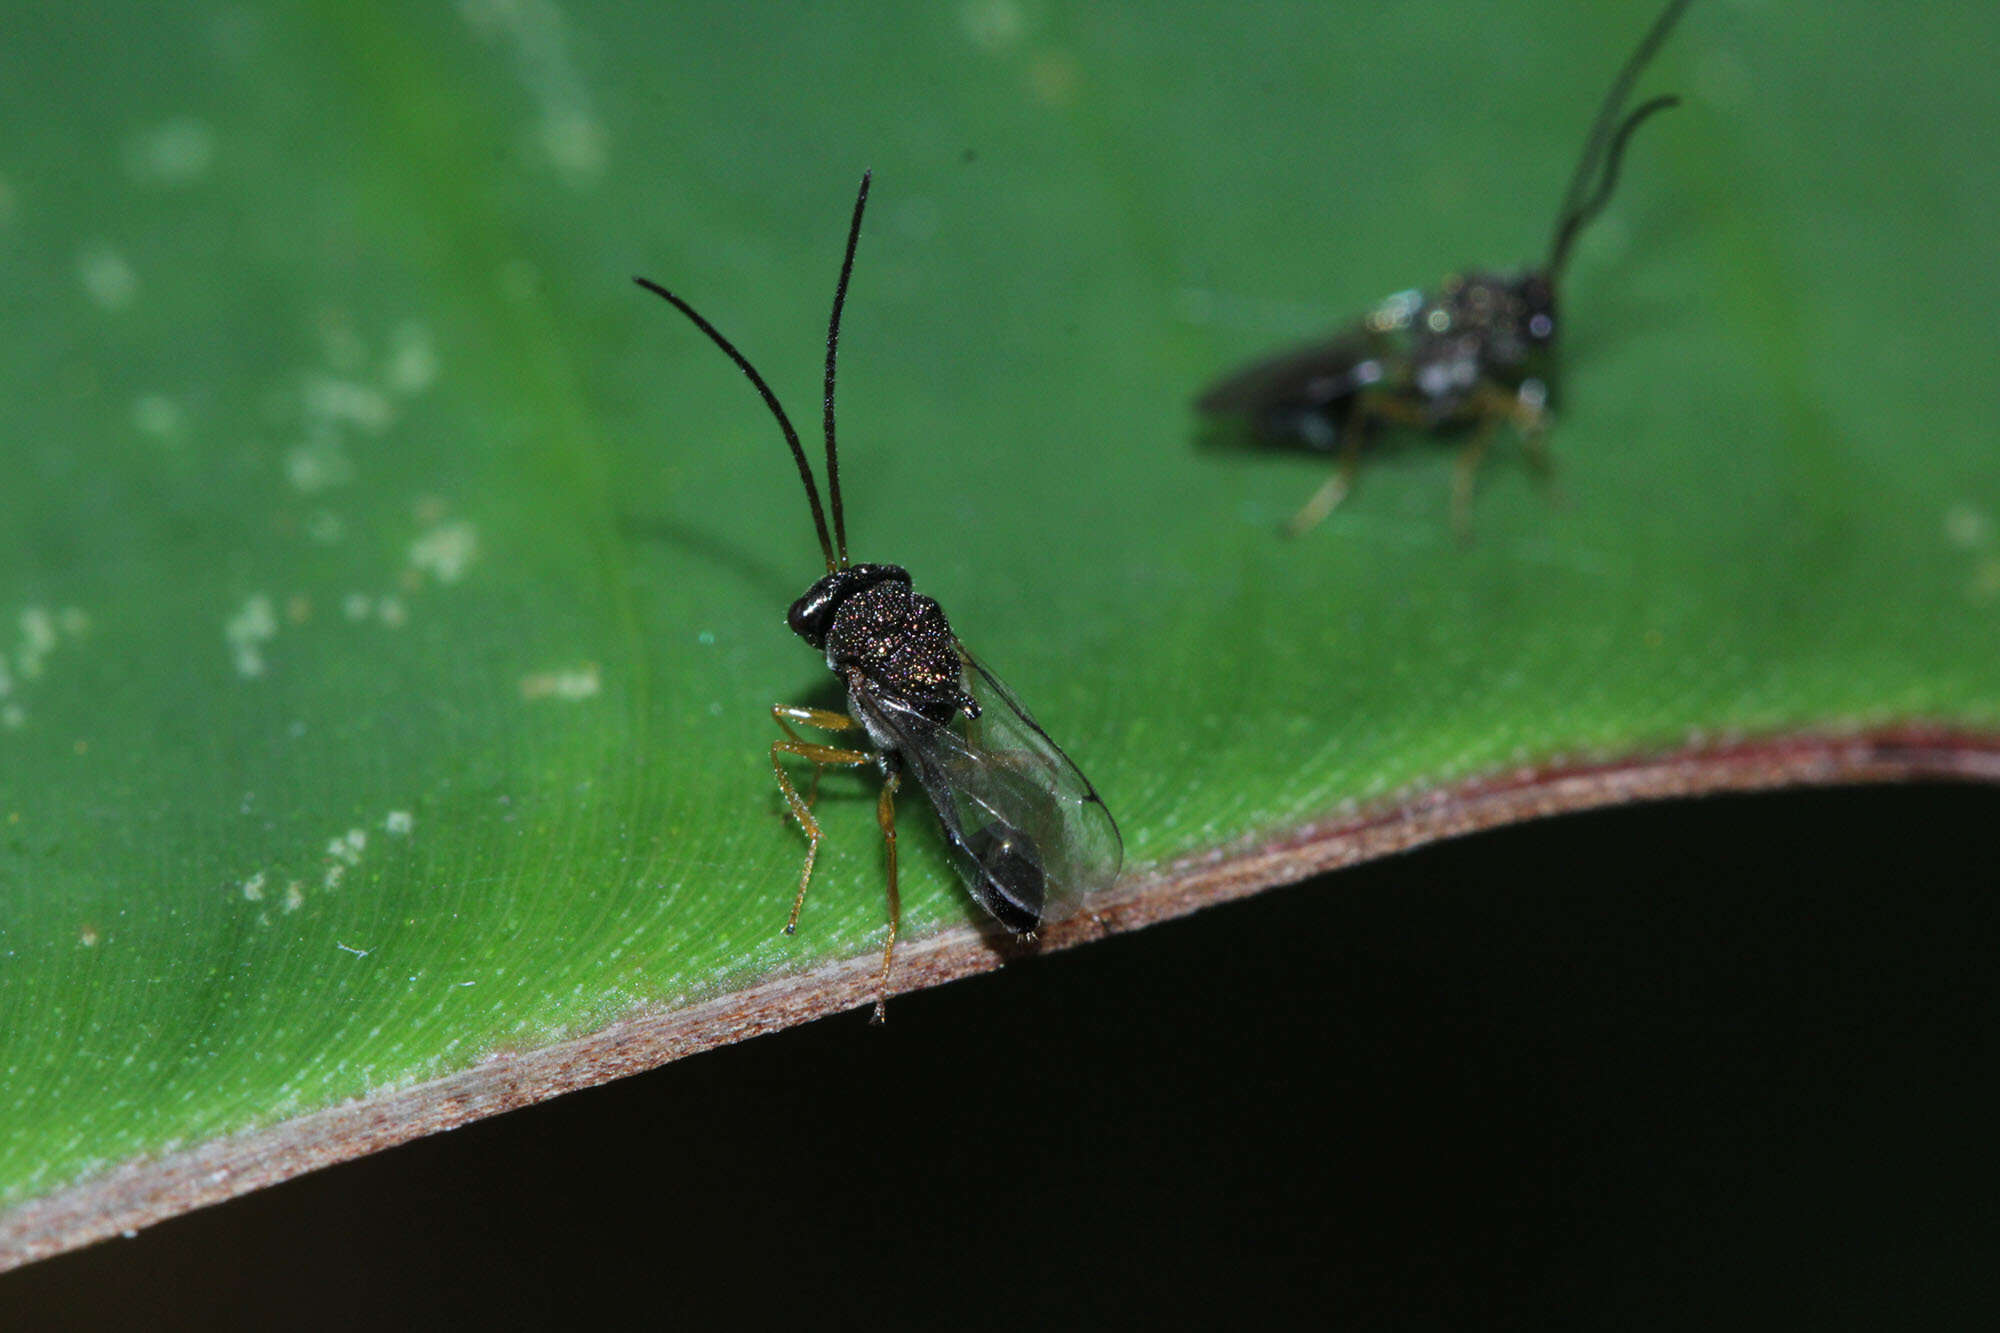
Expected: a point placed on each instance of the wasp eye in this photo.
(812, 613)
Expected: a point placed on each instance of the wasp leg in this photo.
(811, 717)
(1540, 460)
(1336, 488)
(1462, 477)
(885, 815)
(819, 756)
(1529, 411)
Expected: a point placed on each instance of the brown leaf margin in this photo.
(142, 1192)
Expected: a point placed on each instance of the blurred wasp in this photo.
(1031, 836)
(1479, 349)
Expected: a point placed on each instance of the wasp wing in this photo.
(1300, 393)
(1309, 376)
(1031, 836)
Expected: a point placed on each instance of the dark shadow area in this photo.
(761, 576)
(1719, 1062)
(1606, 309)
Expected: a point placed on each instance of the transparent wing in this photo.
(1312, 375)
(1032, 837)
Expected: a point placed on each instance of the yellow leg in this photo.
(785, 714)
(1462, 477)
(1531, 419)
(885, 815)
(819, 756)
(1539, 458)
(1337, 487)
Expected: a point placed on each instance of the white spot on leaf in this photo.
(254, 625)
(445, 551)
(1967, 527)
(319, 463)
(107, 278)
(348, 403)
(38, 638)
(992, 24)
(571, 685)
(576, 142)
(348, 847)
(568, 132)
(156, 414)
(413, 363)
(174, 152)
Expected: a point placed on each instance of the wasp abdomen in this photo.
(1011, 883)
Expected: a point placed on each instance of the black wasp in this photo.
(1478, 350)
(1030, 834)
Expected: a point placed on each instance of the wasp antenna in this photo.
(770, 401)
(1590, 208)
(832, 348)
(1603, 136)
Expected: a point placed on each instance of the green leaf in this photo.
(391, 596)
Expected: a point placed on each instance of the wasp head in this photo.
(812, 615)
(1535, 309)
(1494, 324)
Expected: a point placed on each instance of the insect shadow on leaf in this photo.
(1030, 836)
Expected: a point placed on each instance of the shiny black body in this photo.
(883, 637)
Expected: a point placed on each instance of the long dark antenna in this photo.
(770, 401)
(1590, 208)
(1603, 137)
(833, 346)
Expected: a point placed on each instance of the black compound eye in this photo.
(813, 613)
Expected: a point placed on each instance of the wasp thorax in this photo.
(812, 615)
(867, 619)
